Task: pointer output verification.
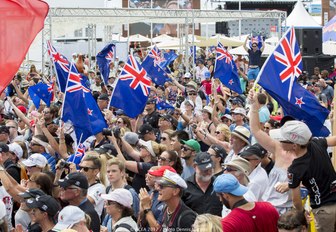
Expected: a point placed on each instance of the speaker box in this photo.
(321, 61)
(310, 41)
(222, 28)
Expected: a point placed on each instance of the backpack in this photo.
(126, 226)
(21, 169)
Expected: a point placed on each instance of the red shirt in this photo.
(262, 218)
(207, 86)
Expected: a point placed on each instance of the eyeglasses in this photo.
(9, 127)
(163, 138)
(192, 94)
(217, 132)
(186, 148)
(229, 169)
(163, 159)
(46, 112)
(110, 202)
(86, 169)
(35, 144)
(249, 159)
(254, 46)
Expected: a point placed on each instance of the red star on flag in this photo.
(90, 112)
(298, 101)
(231, 82)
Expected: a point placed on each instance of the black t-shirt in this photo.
(139, 180)
(201, 202)
(152, 119)
(254, 57)
(88, 208)
(316, 172)
(13, 170)
(181, 220)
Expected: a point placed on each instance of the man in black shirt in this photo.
(254, 59)
(313, 168)
(74, 191)
(176, 216)
(199, 195)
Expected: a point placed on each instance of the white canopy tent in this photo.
(213, 41)
(300, 18)
(162, 38)
(138, 38)
(241, 51)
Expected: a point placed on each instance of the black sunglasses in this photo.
(186, 148)
(229, 169)
(163, 159)
(86, 169)
(163, 138)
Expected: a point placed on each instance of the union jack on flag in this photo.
(135, 72)
(61, 65)
(278, 77)
(75, 80)
(157, 56)
(80, 150)
(132, 89)
(222, 53)
(110, 55)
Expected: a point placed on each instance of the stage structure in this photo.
(59, 18)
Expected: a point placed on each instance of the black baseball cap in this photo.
(107, 149)
(4, 129)
(103, 96)
(4, 147)
(220, 151)
(76, 178)
(255, 149)
(44, 203)
(31, 193)
(203, 160)
(144, 129)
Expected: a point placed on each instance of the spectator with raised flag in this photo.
(254, 58)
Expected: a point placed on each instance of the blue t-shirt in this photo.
(254, 57)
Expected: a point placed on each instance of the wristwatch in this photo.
(147, 211)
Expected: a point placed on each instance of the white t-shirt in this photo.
(200, 73)
(95, 191)
(125, 220)
(8, 201)
(22, 217)
(258, 182)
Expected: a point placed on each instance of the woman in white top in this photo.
(118, 204)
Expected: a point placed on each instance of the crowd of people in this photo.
(218, 161)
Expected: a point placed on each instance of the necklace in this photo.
(239, 203)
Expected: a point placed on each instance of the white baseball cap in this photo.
(239, 110)
(293, 131)
(69, 216)
(121, 196)
(16, 149)
(36, 159)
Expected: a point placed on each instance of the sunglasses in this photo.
(186, 148)
(191, 94)
(267, 128)
(229, 169)
(254, 46)
(35, 144)
(163, 138)
(119, 122)
(86, 169)
(163, 159)
(288, 142)
(217, 132)
(9, 127)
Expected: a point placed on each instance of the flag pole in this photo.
(333, 160)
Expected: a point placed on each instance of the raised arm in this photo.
(263, 138)
(245, 46)
(262, 46)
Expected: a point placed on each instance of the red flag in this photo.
(20, 21)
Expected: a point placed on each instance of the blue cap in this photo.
(227, 183)
(207, 74)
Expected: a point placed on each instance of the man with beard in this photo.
(176, 215)
(244, 215)
(189, 150)
(199, 195)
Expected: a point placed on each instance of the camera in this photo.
(64, 164)
(194, 126)
(115, 131)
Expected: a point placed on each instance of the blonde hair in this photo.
(226, 131)
(158, 148)
(100, 162)
(118, 162)
(207, 222)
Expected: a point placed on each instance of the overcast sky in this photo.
(80, 3)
